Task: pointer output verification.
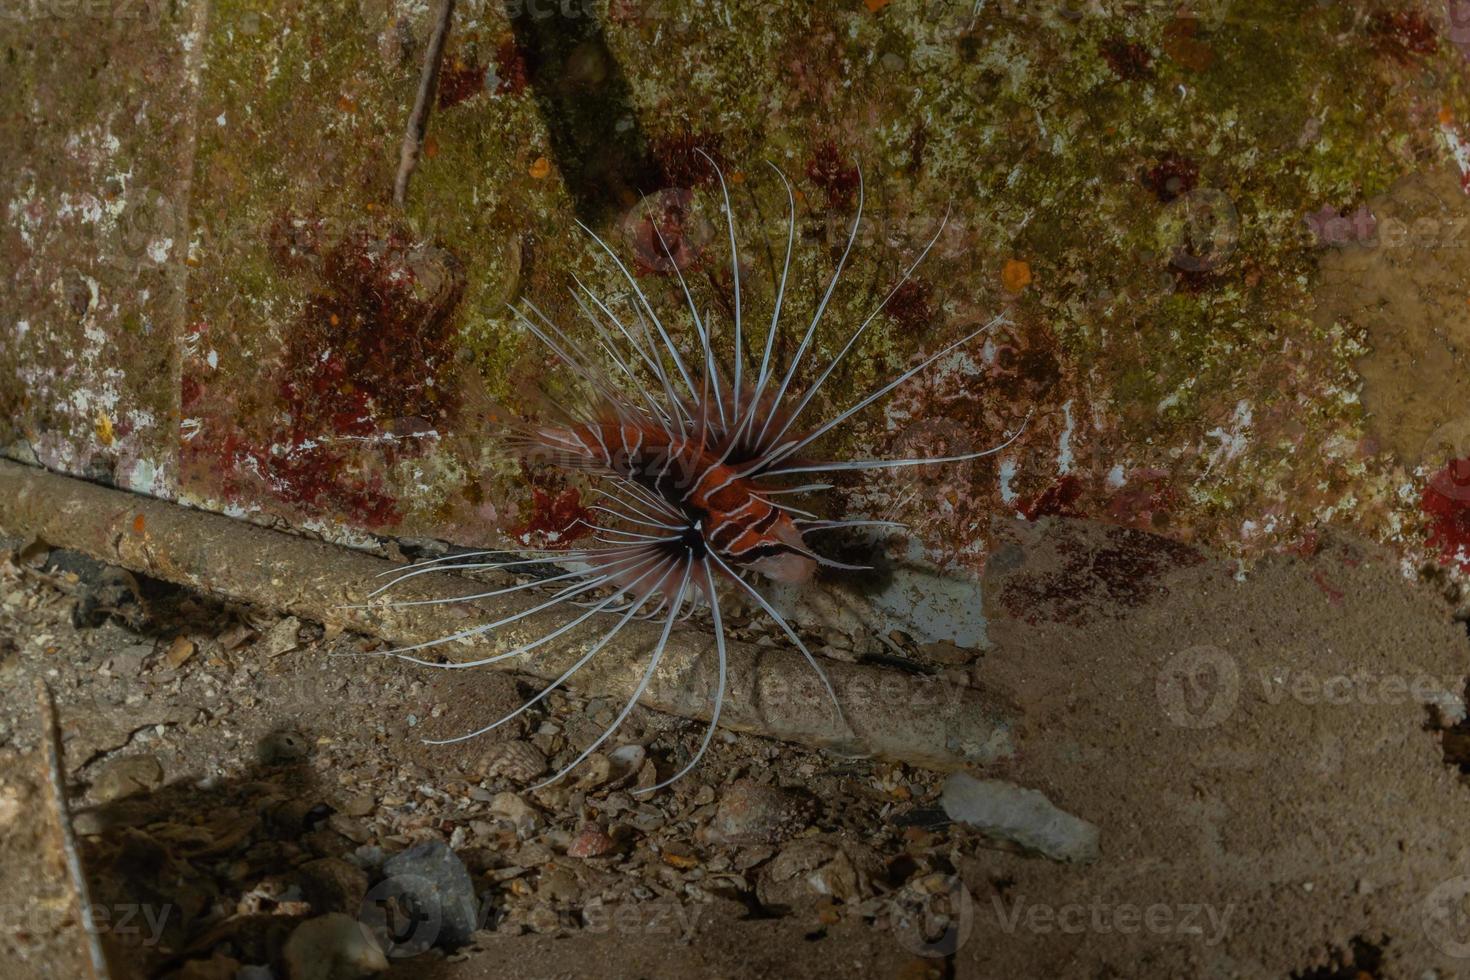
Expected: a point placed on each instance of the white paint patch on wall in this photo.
(1007, 474)
(1064, 442)
(1233, 440)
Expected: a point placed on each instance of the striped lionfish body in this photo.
(694, 463)
(722, 509)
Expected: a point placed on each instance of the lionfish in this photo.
(693, 465)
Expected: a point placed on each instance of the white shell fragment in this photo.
(1021, 816)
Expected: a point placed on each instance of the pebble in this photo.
(126, 776)
(369, 857)
(559, 885)
(647, 818)
(628, 758)
(755, 813)
(179, 652)
(15, 801)
(279, 747)
(591, 841)
(812, 869)
(359, 805)
(596, 770)
(333, 885)
(434, 883)
(681, 856)
(544, 919)
(512, 807)
(350, 828)
(517, 761)
(534, 854)
(282, 637)
(332, 947)
(1022, 816)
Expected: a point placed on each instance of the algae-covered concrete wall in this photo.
(1228, 239)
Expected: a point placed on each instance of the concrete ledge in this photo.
(771, 691)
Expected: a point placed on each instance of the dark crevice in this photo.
(587, 107)
(1454, 739)
(1362, 960)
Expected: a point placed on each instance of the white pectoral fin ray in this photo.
(586, 658)
(722, 668)
(879, 464)
(653, 662)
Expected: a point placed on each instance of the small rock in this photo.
(179, 652)
(628, 758)
(647, 818)
(333, 947)
(127, 662)
(754, 813)
(517, 761)
(512, 807)
(280, 747)
(559, 885)
(433, 883)
(15, 800)
(533, 855)
(681, 856)
(369, 857)
(947, 653)
(290, 818)
(591, 841)
(748, 857)
(359, 805)
(349, 827)
(1022, 816)
(127, 776)
(282, 637)
(544, 919)
(813, 869)
(235, 636)
(333, 885)
(595, 771)
(1448, 708)
(647, 777)
(102, 591)
(631, 764)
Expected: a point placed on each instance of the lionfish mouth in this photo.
(695, 466)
